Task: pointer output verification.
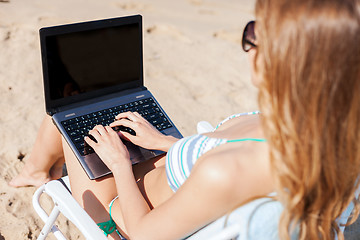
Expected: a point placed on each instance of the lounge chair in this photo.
(242, 224)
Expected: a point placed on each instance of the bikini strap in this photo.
(109, 227)
(235, 116)
(247, 139)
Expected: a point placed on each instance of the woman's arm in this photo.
(208, 193)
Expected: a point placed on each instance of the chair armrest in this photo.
(69, 207)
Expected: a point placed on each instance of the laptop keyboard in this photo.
(79, 127)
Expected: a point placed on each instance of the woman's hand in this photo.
(108, 146)
(147, 136)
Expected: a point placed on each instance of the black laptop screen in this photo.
(92, 61)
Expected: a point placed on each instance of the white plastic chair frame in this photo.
(67, 205)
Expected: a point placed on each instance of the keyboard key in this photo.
(78, 139)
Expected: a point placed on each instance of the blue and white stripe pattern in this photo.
(183, 154)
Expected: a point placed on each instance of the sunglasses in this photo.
(248, 39)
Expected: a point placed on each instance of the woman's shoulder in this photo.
(240, 171)
(230, 158)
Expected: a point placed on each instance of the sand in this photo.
(193, 63)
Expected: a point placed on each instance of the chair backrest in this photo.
(255, 220)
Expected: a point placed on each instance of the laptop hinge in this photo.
(52, 111)
(55, 110)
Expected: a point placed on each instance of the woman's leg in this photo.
(93, 195)
(46, 159)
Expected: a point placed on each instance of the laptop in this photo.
(93, 71)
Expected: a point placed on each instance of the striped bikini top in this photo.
(184, 153)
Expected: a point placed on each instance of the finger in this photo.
(122, 115)
(95, 134)
(139, 116)
(100, 129)
(129, 115)
(122, 122)
(90, 141)
(132, 117)
(110, 130)
(126, 135)
(121, 135)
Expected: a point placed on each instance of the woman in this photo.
(305, 59)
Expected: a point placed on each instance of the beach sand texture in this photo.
(193, 63)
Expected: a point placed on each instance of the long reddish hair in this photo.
(309, 60)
